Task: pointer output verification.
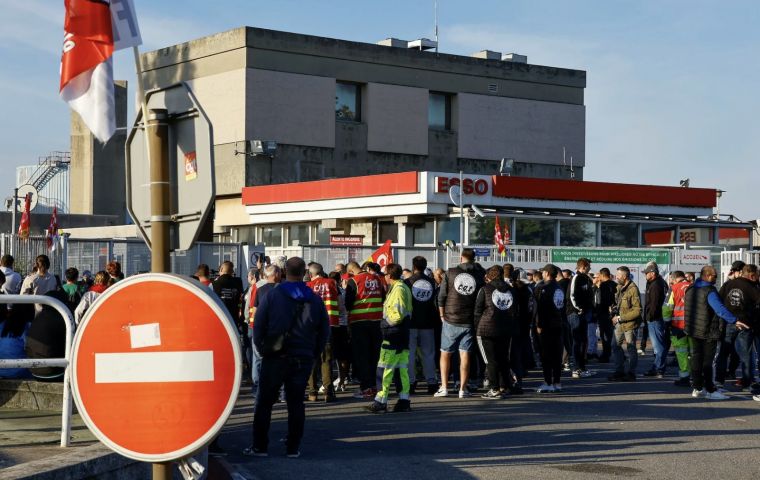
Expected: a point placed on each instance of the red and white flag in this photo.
(383, 255)
(497, 239)
(51, 234)
(23, 228)
(93, 30)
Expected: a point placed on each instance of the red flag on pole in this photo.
(86, 66)
(506, 237)
(383, 255)
(497, 236)
(23, 228)
(51, 235)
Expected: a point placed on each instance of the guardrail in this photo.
(49, 362)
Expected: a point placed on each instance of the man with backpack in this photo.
(290, 330)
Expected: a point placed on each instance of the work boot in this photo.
(402, 406)
(377, 407)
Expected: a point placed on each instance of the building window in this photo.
(448, 229)
(387, 231)
(657, 234)
(347, 102)
(423, 234)
(246, 235)
(619, 234)
(298, 234)
(483, 229)
(577, 234)
(439, 111)
(736, 237)
(323, 235)
(532, 231)
(271, 235)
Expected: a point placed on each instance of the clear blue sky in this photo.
(672, 86)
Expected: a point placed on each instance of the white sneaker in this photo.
(698, 393)
(756, 398)
(716, 395)
(641, 352)
(557, 387)
(544, 388)
(486, 383)
(442, 392)
(322, 390)
(586, 373)
(464, 394)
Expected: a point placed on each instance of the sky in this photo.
(672, 87)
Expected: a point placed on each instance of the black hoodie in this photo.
(496, 310)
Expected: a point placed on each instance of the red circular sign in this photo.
(156, 367)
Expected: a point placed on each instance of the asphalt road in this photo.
(593, 429)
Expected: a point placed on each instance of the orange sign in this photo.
(191, 167)
(156, 367)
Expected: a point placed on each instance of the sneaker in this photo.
(754, 388)
(741, 383)
(557, 387)
(330, 397)
(544, 388)
(312, 397)
(698, 393)
(641, 352)
(432, 388)
(377, 407)
(581, 373)
(486, 383)
(576, 374)
(566, 367)
(756, 398)
(464, 394)
(322, 390)
(341, 387)
(716, 395)
(617, 377)
(491, 394)
(254, 452)
(586, 374)
(650, 373)
(682, 382)
(402, 406)
(293, 454)
(367, 394)
(442, 392)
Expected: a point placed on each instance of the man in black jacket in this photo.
(422, 327)
(550, 316)
(295, 311)
(742, 298)
(656, 291)
(605, 293)
(580, 305)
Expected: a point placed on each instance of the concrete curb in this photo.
(31, 395)
(94, 461)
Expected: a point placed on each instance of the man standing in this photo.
(422, 325)
(579, 311)
(742, 298)
(626, 320)
(653, 302)
(394, 351)
(550, 316)
(605, 299)
(12, 285)
(678, 338)
(704, 314)
(364, 302)
(230, 289)
(327, 290)
(456, 306)
(295, 314)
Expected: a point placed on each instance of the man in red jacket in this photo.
(327, 290)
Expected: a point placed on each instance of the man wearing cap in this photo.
(550, 315)
(626, 319)
(654, 299)
(580, 306)
(727, 358)
(679, 340)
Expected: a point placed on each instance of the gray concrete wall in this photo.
(397, 119)
(491, 128)
(223, 98)
(290, 108)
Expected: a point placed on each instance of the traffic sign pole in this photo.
(157, 135)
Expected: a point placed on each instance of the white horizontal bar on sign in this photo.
(154, 367)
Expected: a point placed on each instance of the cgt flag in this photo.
(383, 255)
(497, 237)
(93, 30)
(51, 234)
(23, 228)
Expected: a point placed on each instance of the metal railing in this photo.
(49, 362)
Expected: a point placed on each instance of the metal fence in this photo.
(132, 254)
(746, 256)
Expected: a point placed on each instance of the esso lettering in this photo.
(470, 186)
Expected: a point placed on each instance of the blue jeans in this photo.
(726, 346)
(255, 361)
(743, 344)
(579, 333)
(657, 337)
(293, 372)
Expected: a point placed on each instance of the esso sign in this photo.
(470, 186)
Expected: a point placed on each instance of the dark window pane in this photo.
(298, 234)
(272, 236)
(448, 229)
(347, 102)
(657, 234)
(439, 111)
(577, 234)
(532, 231)
(323, 235)
(387, 231)
(619, 234)
(423, 234)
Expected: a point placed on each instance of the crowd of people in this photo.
(485, 329)
(309, 334)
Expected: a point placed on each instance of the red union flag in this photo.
(497, 236)
(383, 255)
(51, 235)
(23, 228)
(86, 67)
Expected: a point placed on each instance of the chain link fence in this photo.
(132, 254)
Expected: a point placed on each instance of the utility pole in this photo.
(461, 209)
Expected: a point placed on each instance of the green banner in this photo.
(611, 256)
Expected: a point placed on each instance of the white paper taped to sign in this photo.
(147, 335)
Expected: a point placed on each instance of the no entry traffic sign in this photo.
(156, 367)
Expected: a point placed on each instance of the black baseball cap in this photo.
(738, 266)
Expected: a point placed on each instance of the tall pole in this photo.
(461, 210)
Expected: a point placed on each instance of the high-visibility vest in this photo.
(368, 304)
(327, 290)
(679, 312)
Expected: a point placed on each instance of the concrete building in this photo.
(337, 108)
